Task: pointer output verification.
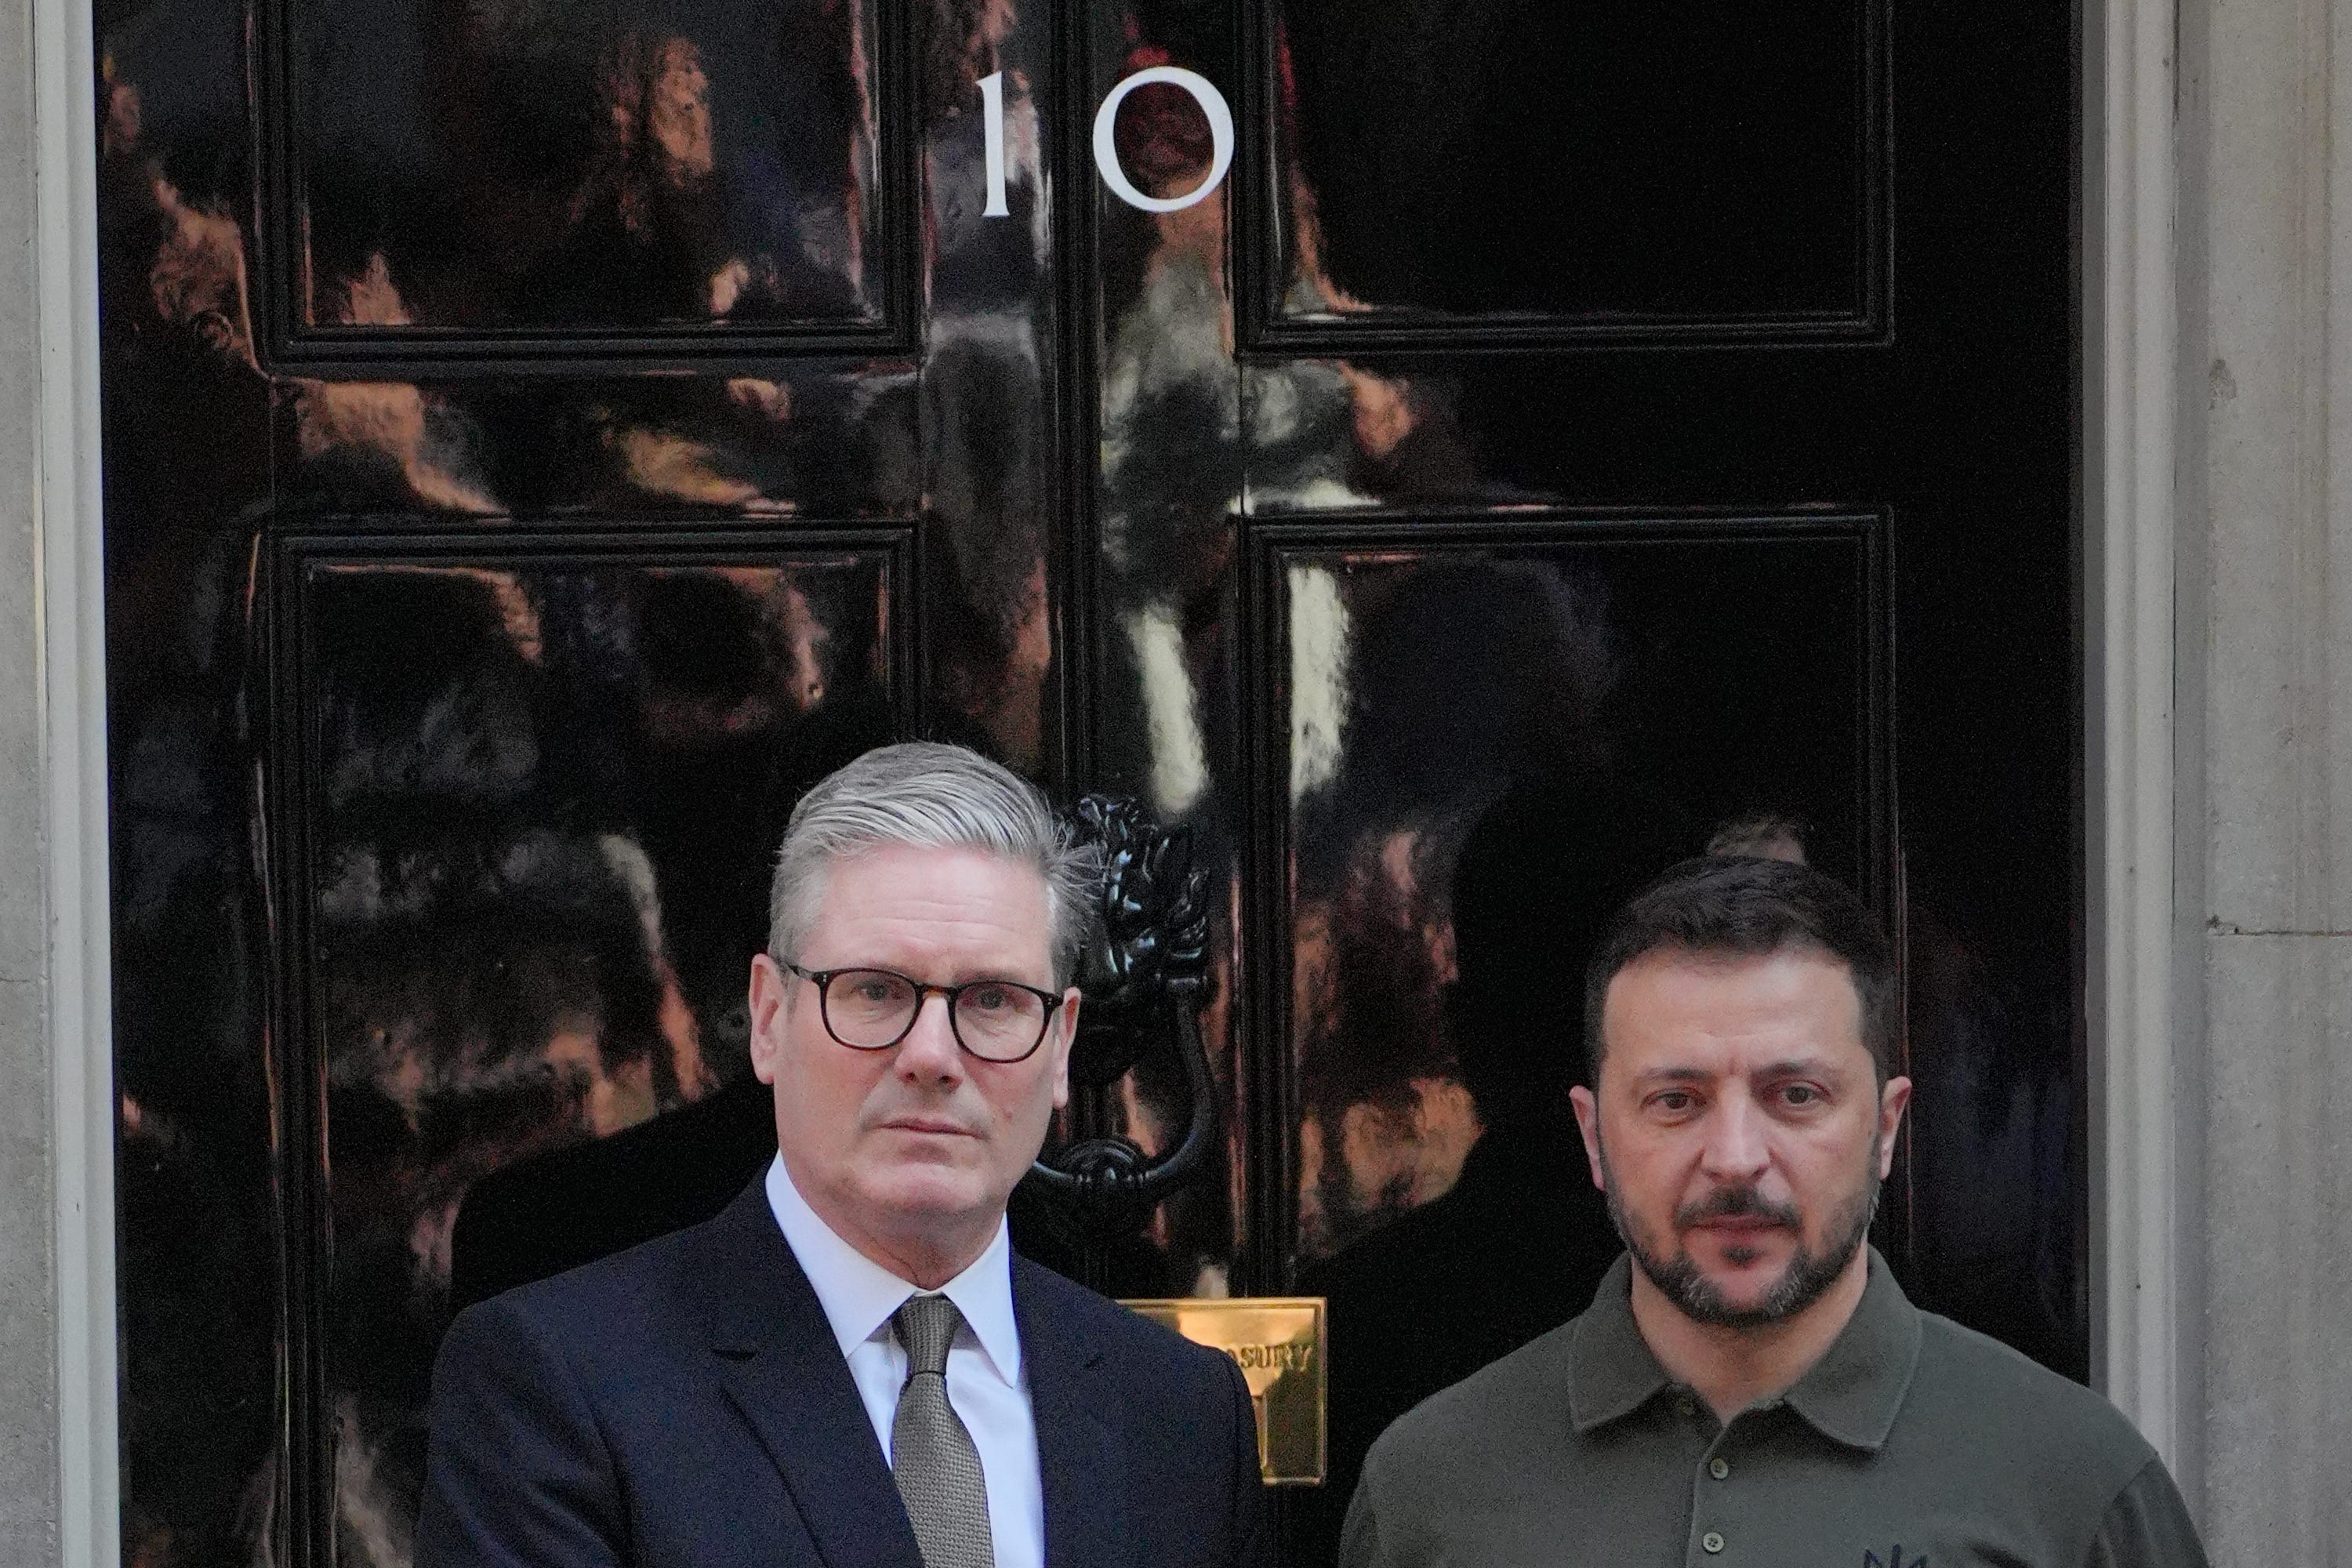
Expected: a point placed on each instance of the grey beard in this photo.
(1799, 1286)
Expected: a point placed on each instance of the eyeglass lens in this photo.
(872, 1007)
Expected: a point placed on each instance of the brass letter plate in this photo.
(1278, 1342)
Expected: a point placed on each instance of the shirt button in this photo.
(1711, 1541)
(1718, 1469)
(1685, 1407)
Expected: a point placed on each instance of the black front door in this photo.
(1457, 458)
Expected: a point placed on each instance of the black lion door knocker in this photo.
(1144, 976)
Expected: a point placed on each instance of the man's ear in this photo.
(1893, 1100)
(769, 986)
(1065, 1035)
(1588, 1122)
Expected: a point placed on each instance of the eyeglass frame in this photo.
(823, 979)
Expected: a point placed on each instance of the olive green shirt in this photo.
(1912, 1443)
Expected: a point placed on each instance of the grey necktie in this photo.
(931, 1455)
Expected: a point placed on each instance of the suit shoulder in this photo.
(1123, 1332)
(624, 1286)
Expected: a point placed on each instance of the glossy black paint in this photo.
(1518, 174)
(471, 183)
(524, 794)
(1480, 497)
(1656, 680)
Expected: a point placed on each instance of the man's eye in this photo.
(872, 991)
(989, 998)
(1801, 1094)
(1676, 1099)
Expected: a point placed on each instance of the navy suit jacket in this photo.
(685, 1403)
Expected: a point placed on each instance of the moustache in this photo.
(1737, 1203)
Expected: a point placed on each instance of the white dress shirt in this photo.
(986, 1383)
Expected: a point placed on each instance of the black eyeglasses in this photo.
(873, 1010)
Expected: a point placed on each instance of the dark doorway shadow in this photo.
(572, 1205)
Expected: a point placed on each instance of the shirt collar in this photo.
(1851, 1395)
(860, 1294)
(1610, 1372)
(1854, 1392)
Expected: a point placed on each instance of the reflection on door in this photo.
(543, 440)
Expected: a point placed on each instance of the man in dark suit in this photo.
(848, 1367)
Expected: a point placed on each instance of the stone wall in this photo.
(2265, 243)
(29, 1427)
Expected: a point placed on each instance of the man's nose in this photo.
(1737, 1148)
(930, 1051)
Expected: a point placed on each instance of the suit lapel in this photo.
(782, 1371)
(1078, 1455)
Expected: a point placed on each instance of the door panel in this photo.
(540, 440)
(1550, 173)
(473, 182)
(533, 789)
(1656, 682)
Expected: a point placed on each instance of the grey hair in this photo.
(932, 796)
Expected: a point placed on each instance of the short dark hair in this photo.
(1746, 905)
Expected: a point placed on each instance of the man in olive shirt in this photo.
(1750, 1386)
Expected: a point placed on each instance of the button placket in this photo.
(1707, 1497)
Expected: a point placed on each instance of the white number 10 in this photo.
(1203, 92)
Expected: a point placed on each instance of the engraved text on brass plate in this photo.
(1278, 1342)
